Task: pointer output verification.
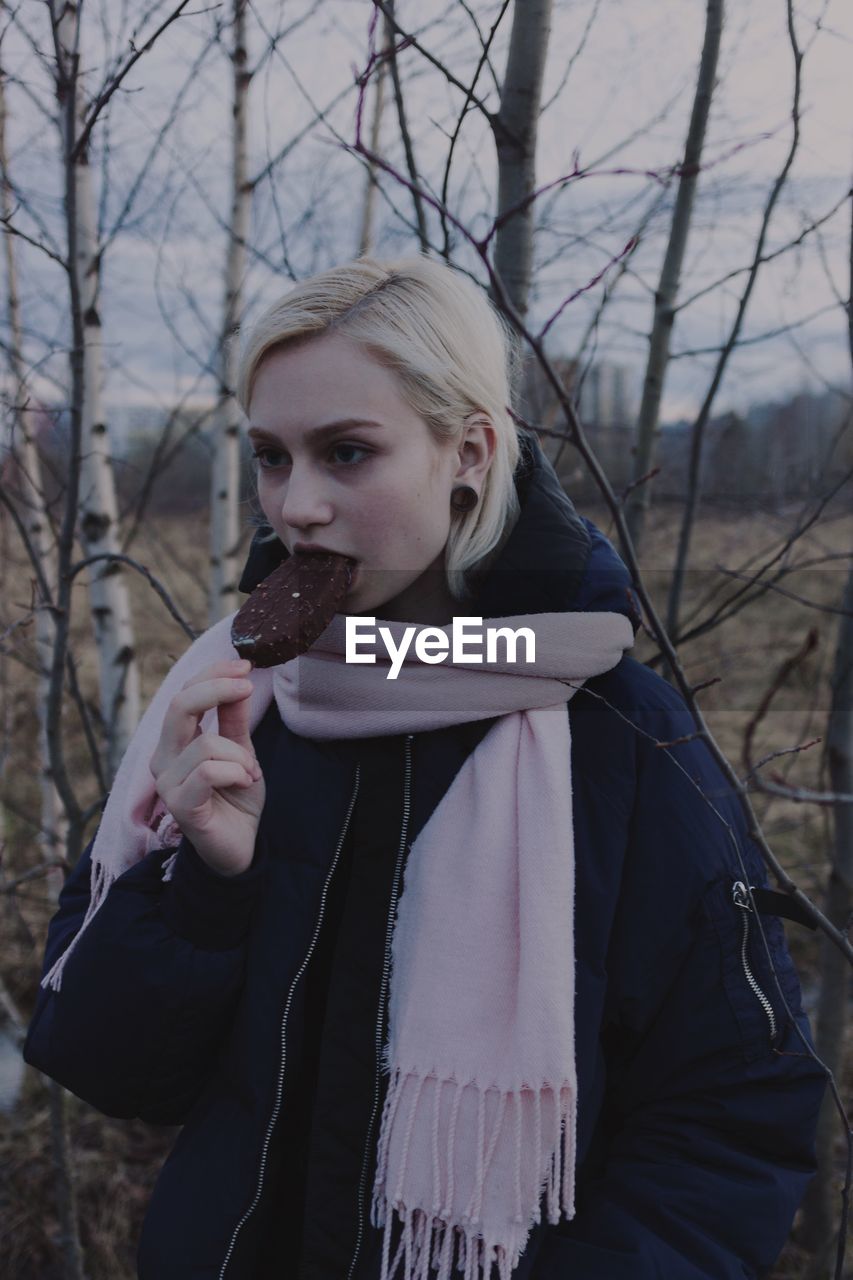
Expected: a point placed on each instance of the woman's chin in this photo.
(383, 594)
(360, 600)
(365, 596)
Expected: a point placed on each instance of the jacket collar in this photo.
(540, 567)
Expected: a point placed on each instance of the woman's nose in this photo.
(304, 503)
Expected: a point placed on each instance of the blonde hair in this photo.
(451, 351)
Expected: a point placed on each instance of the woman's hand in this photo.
(212, 783)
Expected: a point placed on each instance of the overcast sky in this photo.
(618, 88)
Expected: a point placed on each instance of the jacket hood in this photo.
(554, 560)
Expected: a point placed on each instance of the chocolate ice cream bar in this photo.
(291, 608)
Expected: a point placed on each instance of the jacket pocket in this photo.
(751, 977)
(740, 898)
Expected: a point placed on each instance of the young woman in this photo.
(451, 973)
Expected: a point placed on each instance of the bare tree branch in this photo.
(97, 105)
(148, 575)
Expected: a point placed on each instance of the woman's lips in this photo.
(313, 549)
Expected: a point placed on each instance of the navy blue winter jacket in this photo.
(252, 1011)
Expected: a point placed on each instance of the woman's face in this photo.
(345, 464)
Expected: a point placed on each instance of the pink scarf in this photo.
(480, 1113)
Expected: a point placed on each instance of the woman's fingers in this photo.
(233, 716)
(209, 776)
(181, 722)
(227, 667)
(209, 746)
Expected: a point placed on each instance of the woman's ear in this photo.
(476, 449)
(264, 556)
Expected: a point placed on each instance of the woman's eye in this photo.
(264, 455)
(350, 447)
(261, 454)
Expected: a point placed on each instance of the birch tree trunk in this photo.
(53, 825)
(98, 512)
(225, 479)
(515, 129)
(637, 503)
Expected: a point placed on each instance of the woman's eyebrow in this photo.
(321, 433)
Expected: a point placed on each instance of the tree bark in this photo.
(98, 510)
(53, 826)
(515, 129)
(225, 486)
(638, 500)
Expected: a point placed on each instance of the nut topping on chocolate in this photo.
(291, 608)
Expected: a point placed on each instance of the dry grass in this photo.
(117, 1162)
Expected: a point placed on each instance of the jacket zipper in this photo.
(277, 1108)
(741, 900)
(386, 968)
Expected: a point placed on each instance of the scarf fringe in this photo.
(429, 1238)
(162, 830)
(101, 879)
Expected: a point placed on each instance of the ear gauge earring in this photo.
(464, 498)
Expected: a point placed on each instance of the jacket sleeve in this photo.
(705, 1142)
(151, 987)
